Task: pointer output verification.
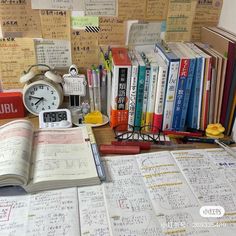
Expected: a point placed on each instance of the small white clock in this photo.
(42, 91)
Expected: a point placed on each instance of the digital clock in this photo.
(59, 118)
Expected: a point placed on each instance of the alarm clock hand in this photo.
(34, 97)
(40, 99)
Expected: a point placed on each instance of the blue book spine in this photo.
(139, 96)
(187, 93)
(192, 114)
(180, 93)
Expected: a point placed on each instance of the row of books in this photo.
(167, 86)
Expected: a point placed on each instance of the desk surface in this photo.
(104, 134)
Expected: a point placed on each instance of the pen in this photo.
(104, 92)
(90, 85)
(204, 140)
(96, 155)
(182, 133)
(226, 148)
(96, 90)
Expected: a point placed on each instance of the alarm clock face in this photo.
(41, 96)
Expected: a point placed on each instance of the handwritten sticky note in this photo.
(54, 53)
(56, 4)
(179, 20)
(156, 9)
(81, 22)
(99, 7)
(131, 10)
(55, 24)
(85, 51)
(17, 19)
(112, 31)
(16, 56)
(144, 33)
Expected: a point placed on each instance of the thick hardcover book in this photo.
(172, 62)
(121, 68)
(226, 47)
(46, 159)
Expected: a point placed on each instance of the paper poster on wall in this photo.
(16, 56)
(207, 14)
(156, 9)
(179, 20)
(112, 31)
(144, 33)
(56, 4)
(17, 19)
(55, 24)
(84, 46)
(99, 7)
(55, 53)
(131, 10)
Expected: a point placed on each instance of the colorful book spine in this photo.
(146, 89)
(180, 93)
(160, 95)
(120, 86)
(140, 91)
(151, 95)
(133, 91)
(172, 62)
(187, 93)
(192, 114)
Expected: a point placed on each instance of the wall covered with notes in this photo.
(60, 33)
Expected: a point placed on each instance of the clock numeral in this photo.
(37, 107)
(52, 92)
(47, 88)
(32, 92)
(49, 107)
(54, 98)
(43, 108)
(41, 87)
(53, 103)
(32, 104)
(35, 89)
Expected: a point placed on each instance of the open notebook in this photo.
(45, 159)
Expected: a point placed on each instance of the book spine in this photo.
(159, 102)
(170, 94)
(180, 93)
(187, 93)
(145, 95)
(192, 114)
(151, 96)
(204, 62)
(132, 96)
(139, 98)
(119, 112)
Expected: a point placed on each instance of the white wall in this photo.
(228, 15)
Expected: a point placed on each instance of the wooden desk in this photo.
(104, 134)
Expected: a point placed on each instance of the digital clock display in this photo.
(54, 116)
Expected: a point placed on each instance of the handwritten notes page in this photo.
(112, 31)
(55, 53)
(131, 10)
(129, 208)
(179, 20)
(92, 209)
(207, 14)
(84, 46)
(144, 33)
(54, 213)
(63, 156)
(55, 24)
(156, 9)
(16, 55)
(56, 4)
(15, 151)
(206, 172)
(13, 215)
(19, 20)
